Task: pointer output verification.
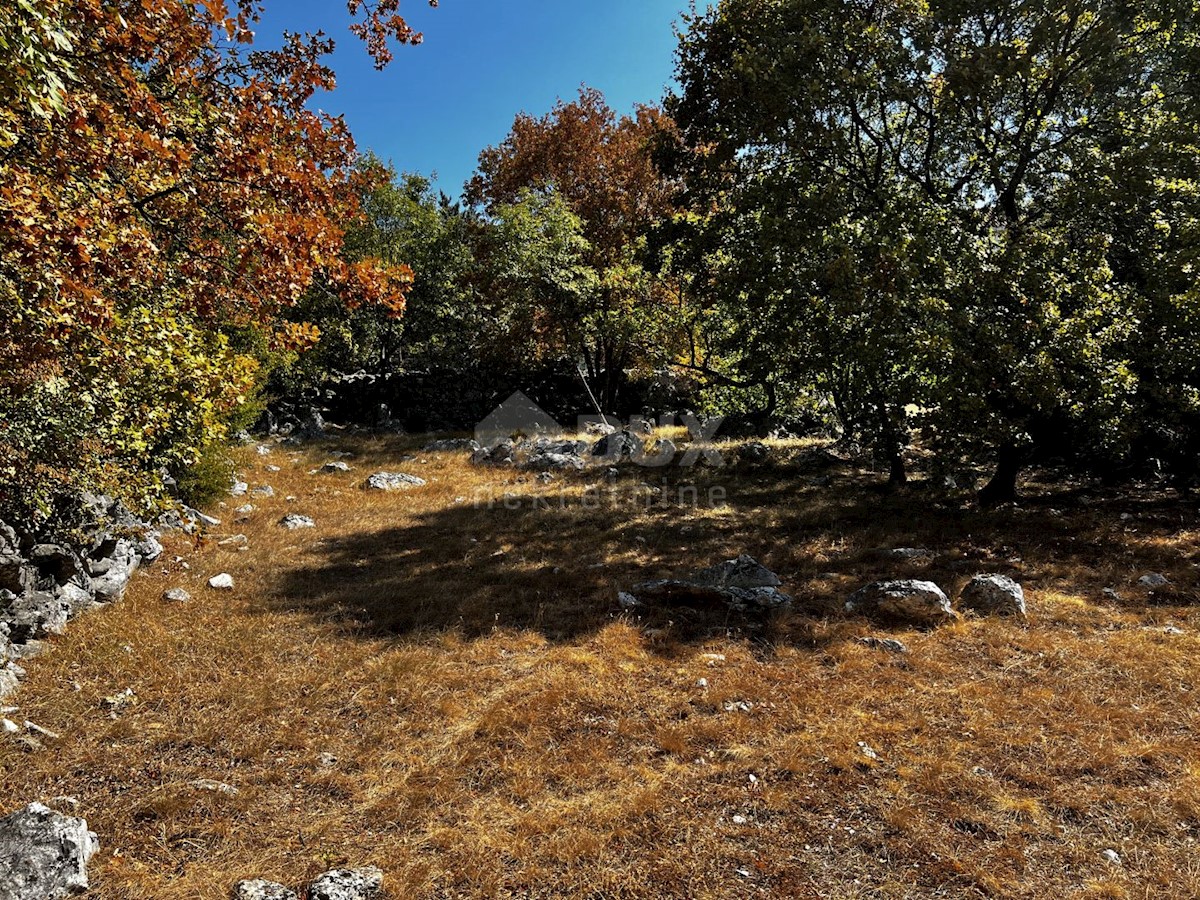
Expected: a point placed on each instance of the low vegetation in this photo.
(449, 690)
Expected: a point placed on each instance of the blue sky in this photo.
(483, 61)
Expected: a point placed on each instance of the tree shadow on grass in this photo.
(545, 560)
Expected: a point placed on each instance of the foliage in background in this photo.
(979, 218)
(601, 167)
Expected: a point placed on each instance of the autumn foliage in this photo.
(166, 194)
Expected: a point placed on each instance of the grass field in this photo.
(446, 688)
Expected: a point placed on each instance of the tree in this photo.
(600, 165)
(166, 195)
(966, 158)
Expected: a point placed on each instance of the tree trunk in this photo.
(1003, 486)
(897, 474)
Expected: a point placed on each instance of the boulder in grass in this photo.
(499, 455)
(743, 572)
(44, 855)
(347, 884)
(392, 481)
(703, 596)
(260, 889)
(909, 602)
(742, 584)
(993, 595)
(293, 521)
(222, 582)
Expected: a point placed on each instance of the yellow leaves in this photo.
(297, 336)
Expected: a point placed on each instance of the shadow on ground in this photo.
(544, 559)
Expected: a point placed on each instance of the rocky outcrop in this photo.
(45, 584)
(44, 855)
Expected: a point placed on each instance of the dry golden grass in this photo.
(501, 730)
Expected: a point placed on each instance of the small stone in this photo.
(271, 468)
(327, 760)
(260, 889)
(176, 595)
(215, 787)
(239, 489)
(1155, 580)
(909, 553)
(891, 645)
(245, 509)
(46, 733)
(347, 884)
(627, 600)
(392, 481)
(8, 726)
(264, 490)
(235, 540)
(119, 701)
(739, 820)
(868, 751)
(222, 582)
(1111, 856)
(292, 521)
(332, 468)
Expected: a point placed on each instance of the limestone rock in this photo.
(347, 884)
(43, 855)
(743, 572)
(259, 889)
(993, 595)
(222, 582)
(912, 602)
(392, 481)
(293, 521)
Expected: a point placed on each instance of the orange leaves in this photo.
(381, 25)
(297, 336)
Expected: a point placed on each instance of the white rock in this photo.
(239, 489)
(1111, 856)
(176, 595)
(1154, 580)
(993, 595)
(917, 602)
(292, 521)
(222, 582)
(44, 855)
(260, 889)
(392, 481)
(347, 884)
